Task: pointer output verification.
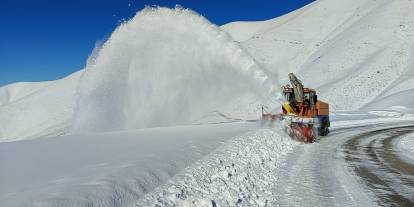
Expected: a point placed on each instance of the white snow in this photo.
(165, 67)
(357, 54)
(239, 173)
(43, 112)
(405, 146)
(110, 169)
(13, 92)
(243, 31)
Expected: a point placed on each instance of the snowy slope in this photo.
(39, 112)
(14, 92)
(353, 52)
(243, 31)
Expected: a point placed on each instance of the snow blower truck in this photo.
(304, 116)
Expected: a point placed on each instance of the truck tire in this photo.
(323, 130)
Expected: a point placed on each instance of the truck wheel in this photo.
(323, 130)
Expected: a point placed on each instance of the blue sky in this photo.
(49, 39)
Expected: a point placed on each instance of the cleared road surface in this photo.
(356, 166)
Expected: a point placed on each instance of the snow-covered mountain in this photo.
(171, 66)
(357, 54)
(37, 109)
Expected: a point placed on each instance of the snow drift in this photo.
(165, 67)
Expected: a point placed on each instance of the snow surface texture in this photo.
(239, 173)
(165, 67)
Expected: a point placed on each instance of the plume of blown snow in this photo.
(165, 67)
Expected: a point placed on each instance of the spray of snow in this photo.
(164, 67)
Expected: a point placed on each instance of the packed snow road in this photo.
(353, 166)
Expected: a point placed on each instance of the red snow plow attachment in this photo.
(300, 129)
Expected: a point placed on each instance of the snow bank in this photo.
(239, 173)
(406, 146)
(379, 118)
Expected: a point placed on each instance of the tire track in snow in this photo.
(376, 162)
